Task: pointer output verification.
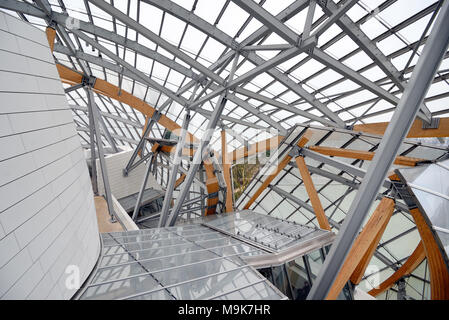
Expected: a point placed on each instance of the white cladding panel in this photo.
(47, 213)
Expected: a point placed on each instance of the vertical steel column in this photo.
(108, 135)
(203, 212)
(174, 171)
(93, 164)
(93, 110)
(398, 128)
(197, 159)
(188, 205)
(142, 187)
(232, 185)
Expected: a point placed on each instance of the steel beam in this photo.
(333, 223)
(334, 17)
(174, 171)
(309, 19)
(342, 69)
(108, 115)
(142, 188)
(261, 68)
(145, 79)
(205, 113)
(343, 166)
(140, 145)
(93, 109)
(74, 87)
(198, 182)
(93, 157)
(225, 39)
(283, 106)
(45, 5)
(269, 20)
(400, 124)
(292, 198)
(267, 47)
(119, 15)
(87, 27)
(197, 159)
(202, 206)
(368, 46)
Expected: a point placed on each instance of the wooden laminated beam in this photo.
(255, 148)
(302, 142)
(415, 259)
(359, 271)
(361, 155)
(51, 36)
(185, 151)
(105, 88)
(439, 273)
(362, 245)
(226, 172)
(212, 187)
(313, 195)
(180, 180)
(416, 130)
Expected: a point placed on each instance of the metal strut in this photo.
(400, 124)
(131, 165)
(174, 171)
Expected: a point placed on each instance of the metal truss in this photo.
(265, 90)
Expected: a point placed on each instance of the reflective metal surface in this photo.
(185, 262)
(429, 185)
(210, 258)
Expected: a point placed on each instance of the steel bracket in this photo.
(434, 124)
(295, 152)
(88, 81)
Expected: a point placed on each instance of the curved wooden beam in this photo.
(180, 180)
(313, 195)
(359, 271)
(302, 142)
(51, 35)
(212, 187)
(416, 130)
(362, 247)
(261, 146)
(439, 273)
(407, 268)
(362, 155)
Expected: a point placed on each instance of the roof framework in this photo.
(329, 65)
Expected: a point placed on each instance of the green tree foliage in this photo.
(242, 174)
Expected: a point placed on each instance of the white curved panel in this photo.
(47, 214)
